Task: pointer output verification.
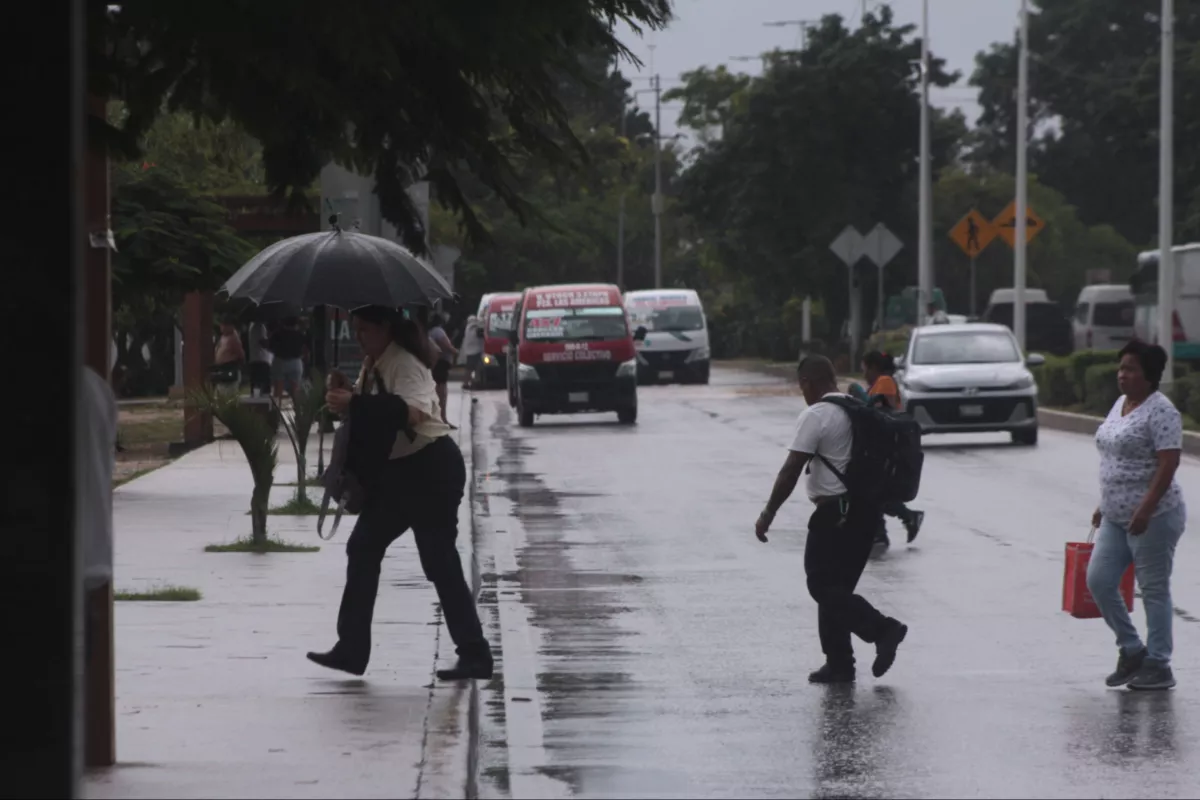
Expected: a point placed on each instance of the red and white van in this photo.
(494, 322)
(570, 351)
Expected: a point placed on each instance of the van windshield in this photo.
(575, 324)
(672, 318)
(1113, 315)
(499, 322)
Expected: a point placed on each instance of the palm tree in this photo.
(307, 404)
(256, 436)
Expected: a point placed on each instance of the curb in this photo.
(474, 728)
(1087, 424)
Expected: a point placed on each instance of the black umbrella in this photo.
(339, 268)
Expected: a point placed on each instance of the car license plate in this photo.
(971, 411)
(666, 375)
(577, 397)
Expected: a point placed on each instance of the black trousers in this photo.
(835, 556)
(260, 376)
(422, 492)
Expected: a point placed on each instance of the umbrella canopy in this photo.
(268, 312)
(338, 268)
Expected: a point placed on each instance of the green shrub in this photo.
(1101, 392)
(1056, 387)
(1192, 409)
(1084, 360)
(1184, 389)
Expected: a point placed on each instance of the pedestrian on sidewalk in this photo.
(472, 350)
(447, 352)
(419, 485)
(1141, 516)
(879, 370)
(841, 530)
(287, 344)
(227, 361)
(260, 359)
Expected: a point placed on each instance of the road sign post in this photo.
(973, 233)
(881, 246)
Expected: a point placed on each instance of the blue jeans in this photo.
(1153, 556)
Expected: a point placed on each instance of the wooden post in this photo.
(100, 747)
(197, 361)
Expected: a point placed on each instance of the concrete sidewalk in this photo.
(216, 699)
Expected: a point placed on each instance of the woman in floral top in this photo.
(1141, 516)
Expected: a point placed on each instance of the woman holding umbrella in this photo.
(420, 487)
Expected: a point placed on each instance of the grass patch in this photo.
(167, 594)
(150, 425)
(272, 545)
(296, 508)
(133, 476)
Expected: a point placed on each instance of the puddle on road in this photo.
(574, 610)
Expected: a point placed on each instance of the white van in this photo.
(676, 344)
(1103, 317)
(1186, 321)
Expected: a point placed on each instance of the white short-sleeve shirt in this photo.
(824, 429)
(404, 375)
(1129, 448)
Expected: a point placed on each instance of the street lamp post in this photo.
(657, 203)
(1166, 191)
(1019, 243)
(925, 215)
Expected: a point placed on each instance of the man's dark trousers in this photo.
(835, 556)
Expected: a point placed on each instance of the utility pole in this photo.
(621, 213)
(657, 203)
(1166, 192)
(1019, 245)
(925, 215)
(803, 24)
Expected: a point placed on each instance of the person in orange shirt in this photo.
(879, 370)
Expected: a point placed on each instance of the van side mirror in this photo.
(640, 334)
(899, 362)
(1035, 360)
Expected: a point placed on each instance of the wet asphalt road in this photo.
(652, 647)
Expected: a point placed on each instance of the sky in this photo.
(712, 32)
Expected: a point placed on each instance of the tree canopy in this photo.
(427, 89)
(1094, 104)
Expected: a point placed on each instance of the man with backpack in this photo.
(859, 459)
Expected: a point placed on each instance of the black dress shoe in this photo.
(339, 661)
(466, 669)
(886, 647)
(832, 673)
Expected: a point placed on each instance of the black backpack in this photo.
(885, 458)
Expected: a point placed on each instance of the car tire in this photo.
(704, 377)
(627, 416)
(1028, 438)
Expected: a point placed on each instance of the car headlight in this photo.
(915, 385)
(487, 359)
(699, 354)
(1024, 382)
(627, 369)
(525, 372)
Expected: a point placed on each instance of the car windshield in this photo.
(575, 324)
(671, 318)
(1113, 315)
(499, 322)
(968, 347)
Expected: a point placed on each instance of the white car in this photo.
(970, 378)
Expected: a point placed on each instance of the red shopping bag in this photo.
(1077, 600)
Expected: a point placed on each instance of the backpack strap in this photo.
(844, 403)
